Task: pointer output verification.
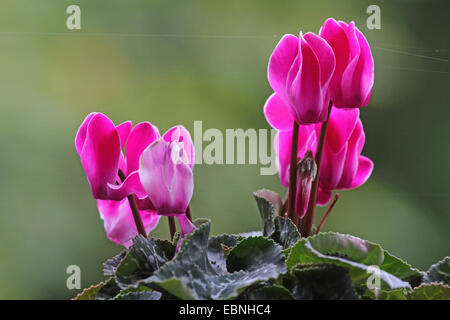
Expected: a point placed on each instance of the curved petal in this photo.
(119, 223)
(180, 134)
(82, 131)
(168, 182)
(332, 167)
(142, 135)
(100, 154)
(124, 130)
(340, 127)
(336, 37)
(324, 55)
(280, 63)
(365, 168)
(304, 91)
(277, 113)
(323, 196)
(131, 185)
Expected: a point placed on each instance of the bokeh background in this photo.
(175, 62)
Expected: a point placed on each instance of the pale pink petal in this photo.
(119, 222)
(168, 183)
(180, 134)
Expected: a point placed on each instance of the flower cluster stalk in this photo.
(308, 221)
(293, 175)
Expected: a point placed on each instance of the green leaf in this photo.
(439, 272)
(109, 290)
(144, 257)
(190, 274)
(430, 292)
(285, 232)
(398, 294)
(269, 205)
(139, 295)
(360, 256)
(257, 253)
(110, 265)
(401, 269)
(89, 293)
(323, 282)
(217, 250)
(267, 292)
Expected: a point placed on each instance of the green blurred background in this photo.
(175, 62)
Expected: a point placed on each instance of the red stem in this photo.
(172, 227)
(327, 213)
(134, 209)
(308, 221)
(293, 175)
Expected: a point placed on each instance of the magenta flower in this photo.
(343, 166)
(299, 71)
(353, 78)
(166, 173)
(119, 223)
(278, 115)
(99, 143)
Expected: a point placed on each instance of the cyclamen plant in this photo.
(319, 83)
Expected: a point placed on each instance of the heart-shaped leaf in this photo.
(362, 257)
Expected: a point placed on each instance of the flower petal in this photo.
(119, 222)
(168, 182)
(82, 131)
(365, 168)
(142, 135)
(280, 63)
(180, 134)
(277, 113)
(100, 154)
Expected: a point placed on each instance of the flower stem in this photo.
(172, 227)
(327, 213)
(308, 221)
(134, 209)
(293, 174)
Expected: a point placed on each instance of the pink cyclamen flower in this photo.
(343, 166)
(299, 71)
(99, 143)
(119, 223)
(353, 77)
(166, 173)
(278, 115)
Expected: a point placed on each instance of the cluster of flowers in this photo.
(154, 177)
(319, 82)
